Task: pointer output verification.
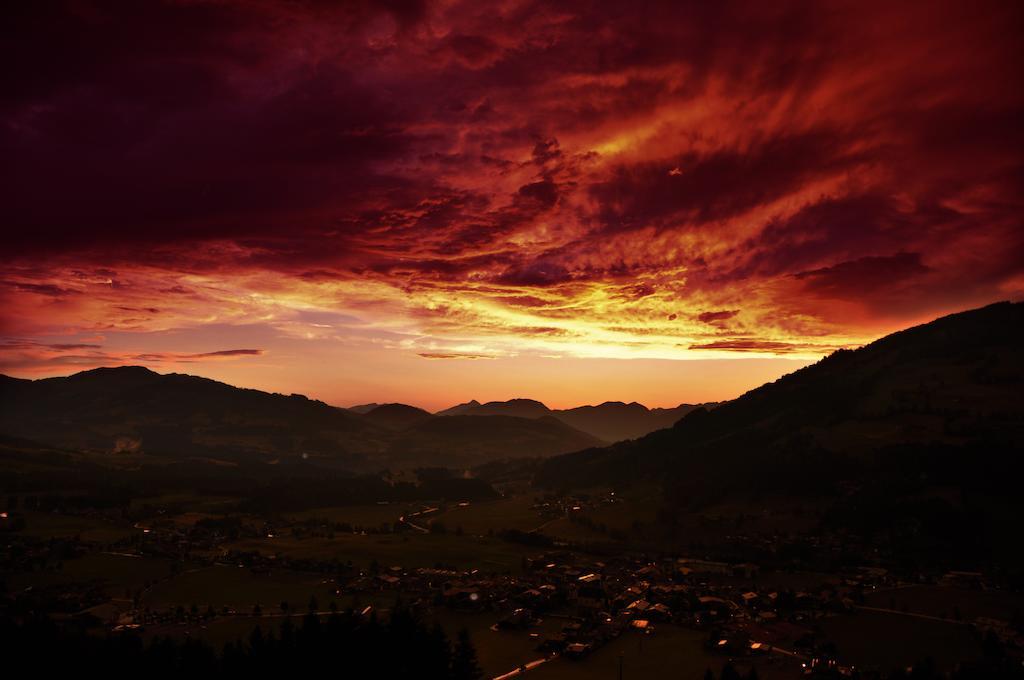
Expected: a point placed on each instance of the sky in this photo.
(431, 202)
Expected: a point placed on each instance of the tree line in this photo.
(346, 644)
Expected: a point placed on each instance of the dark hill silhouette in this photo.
(520, 408)
(180, 415)
(615, 420)
(477, 439)
(952, 383)
(611, 421)
(915, 440)
(458, 409)
(396, 416)
(135, 410)
(362, 408)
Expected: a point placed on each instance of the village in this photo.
(562, 602)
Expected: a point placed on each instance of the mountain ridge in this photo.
(610, 421)
(948, 382)
(136, 410)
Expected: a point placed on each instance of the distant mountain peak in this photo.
(458, 409)
(518, 401)
(519, 407)
(115, 370)
(396, 415)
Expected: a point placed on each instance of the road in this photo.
(407, 520)
(522, 669)
(916, 616)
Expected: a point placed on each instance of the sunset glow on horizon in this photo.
(431, 203)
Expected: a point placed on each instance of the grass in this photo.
(356, 515)
(407, 549)
(505, 513)
(887, 641)
(567, 530)
(193, 501)
(239, 588)
(118, 572)
(945, 602)
(89, 529)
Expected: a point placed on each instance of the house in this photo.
(688, 566)
(388, 581)
(590, 594)
(577, 650)
(519, 619)
(462, 597)
(659, 612)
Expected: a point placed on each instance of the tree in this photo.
(256, 641)
(729, 673)
(464, 662)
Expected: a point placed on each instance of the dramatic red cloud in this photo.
(349, 183)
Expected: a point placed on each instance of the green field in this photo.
(566, 530)
(190, 501)
(505, 513)
(407, 549)
(946, 602)
(886, 641)
(356, 515)
(239, 588)
(89, 529)
(117, 572)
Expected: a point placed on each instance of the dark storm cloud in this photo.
(865, 274)
(715, 317)
(676, 158)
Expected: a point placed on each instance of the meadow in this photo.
(116, 572)
(240, 588)
(88, 529)
(944, 602)
(883, 641)
(404, 549)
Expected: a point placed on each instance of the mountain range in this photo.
(954, 382)
(920, 432)
(135, 410)
(610, 421)
(930, 396)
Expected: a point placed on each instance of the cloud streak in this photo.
(39, 357)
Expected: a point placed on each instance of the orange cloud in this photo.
(687, 181)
